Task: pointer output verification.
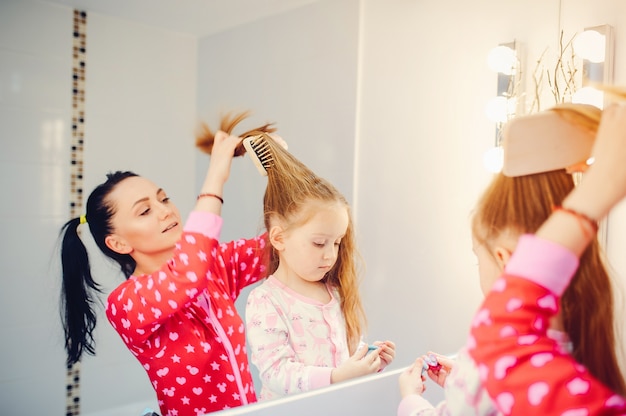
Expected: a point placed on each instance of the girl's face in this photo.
(145, 222)
(308, 251)
(488, 268)
(492, 258)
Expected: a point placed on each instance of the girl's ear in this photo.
(276, 237)
(502, 256)
(117, 244)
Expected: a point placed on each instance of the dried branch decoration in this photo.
(561, 79)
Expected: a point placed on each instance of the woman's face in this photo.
(145, 222)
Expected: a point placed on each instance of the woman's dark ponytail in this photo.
(78, 294)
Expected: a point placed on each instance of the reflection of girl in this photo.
(534, 377)
(584, 327)
(175, 312)
(304, 323)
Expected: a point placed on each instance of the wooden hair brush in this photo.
(259, 151)
(543, 142)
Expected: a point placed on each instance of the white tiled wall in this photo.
(35, 105)
(140, 116)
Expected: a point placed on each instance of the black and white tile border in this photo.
(76, 169)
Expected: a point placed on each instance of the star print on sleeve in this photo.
(244, 263)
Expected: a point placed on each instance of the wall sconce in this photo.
(595, 45)
(503, 59)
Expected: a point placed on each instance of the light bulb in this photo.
(496, 109)
(590, 45)
(499, 109)
(502, 59)
(493, 159)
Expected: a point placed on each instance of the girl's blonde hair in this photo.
(291, 194)
(291, 188)
(521, 204)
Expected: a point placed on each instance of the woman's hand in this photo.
(222, 155)
(219, 169)
(359, 364)
(412, 380)
(609, 151)
(603, 186)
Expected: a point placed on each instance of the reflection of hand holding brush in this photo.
(205, 136)
(256, 142)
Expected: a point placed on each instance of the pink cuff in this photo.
(320, 377)
(205, 223)
(544, 262)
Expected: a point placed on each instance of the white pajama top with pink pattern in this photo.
(294, 341)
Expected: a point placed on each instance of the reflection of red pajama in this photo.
(522, 368)
(182, 325)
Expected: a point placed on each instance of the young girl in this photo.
(535, 377)
(510, 207)
(305, 322)
(175, 312)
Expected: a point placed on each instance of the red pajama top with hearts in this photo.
(181, 322)
(523, 370)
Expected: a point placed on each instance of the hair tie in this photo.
(582, 220)
(211, 196)
(83, 219)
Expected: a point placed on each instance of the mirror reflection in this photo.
(383, 99)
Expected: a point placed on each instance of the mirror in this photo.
(384, 98)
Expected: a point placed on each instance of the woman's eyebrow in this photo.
(140, 201)
(160, 190)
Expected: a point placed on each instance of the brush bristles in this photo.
(260, 153)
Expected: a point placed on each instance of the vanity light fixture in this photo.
(595, 45)
(504, 59)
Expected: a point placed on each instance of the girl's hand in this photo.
(387, 351)
(411, 380)
(359, 364)
(444, 371)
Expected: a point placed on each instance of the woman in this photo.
(175, 312)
